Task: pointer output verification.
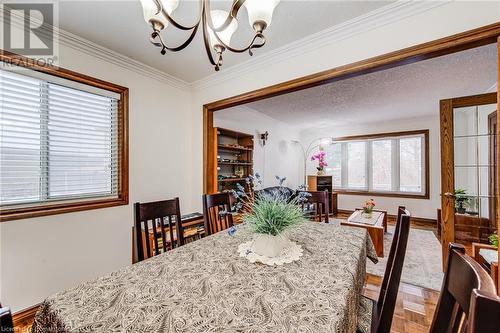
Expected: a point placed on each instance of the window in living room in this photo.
(381, 163)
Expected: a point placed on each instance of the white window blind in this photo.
(56, 142)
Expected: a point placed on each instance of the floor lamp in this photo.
(306, 152)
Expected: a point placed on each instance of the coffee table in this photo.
(375, 228)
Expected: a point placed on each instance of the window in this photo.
(393, 164)
(62, 144)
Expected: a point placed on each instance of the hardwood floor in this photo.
(414, 308)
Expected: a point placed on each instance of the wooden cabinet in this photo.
(234, 158)
(324, 183)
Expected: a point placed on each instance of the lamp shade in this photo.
(260, 10)
(149, 9)
(218, 19)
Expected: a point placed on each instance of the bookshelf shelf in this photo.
(227, 147)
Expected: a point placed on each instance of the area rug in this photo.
(422, 266)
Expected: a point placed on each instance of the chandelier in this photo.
(217, 25)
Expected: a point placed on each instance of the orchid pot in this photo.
(320, 157)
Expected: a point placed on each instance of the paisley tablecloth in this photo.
(205, 286)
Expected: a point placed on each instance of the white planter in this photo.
(269, 245)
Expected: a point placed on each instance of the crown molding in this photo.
(393, 12)
(369, 21)
(75, 42)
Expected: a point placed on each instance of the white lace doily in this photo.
(288, 255)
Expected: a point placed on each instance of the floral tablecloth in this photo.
(205, 286)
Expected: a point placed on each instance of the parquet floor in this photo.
(414, 308)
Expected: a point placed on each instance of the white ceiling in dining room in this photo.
(408, 91)
(119, 25)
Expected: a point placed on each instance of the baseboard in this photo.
(25, 317)
(414, 219)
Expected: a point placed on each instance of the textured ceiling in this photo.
(403, 92)
(119, 26)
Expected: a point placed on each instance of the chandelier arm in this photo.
(163, 45)
(249, 47)
(206, 39)
(174, 22)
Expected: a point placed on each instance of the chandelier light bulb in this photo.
(260, 13)
(218, 19)
(150, 10)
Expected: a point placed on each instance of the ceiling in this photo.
(407, 91)
(119, 26)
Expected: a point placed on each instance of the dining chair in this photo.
(484, 312)
(6, 323)
(163, 215)
(319, 201)
(217, 212)
(375, 316)
(467, 298)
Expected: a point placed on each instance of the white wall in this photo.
(279, 156)
(425, 208)
(450, 18)
(41, 256)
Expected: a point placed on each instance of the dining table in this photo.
(206, 286)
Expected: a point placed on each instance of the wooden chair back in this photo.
(217, 212)
(384, 309)
(157, 218)
(390, 258)
(462, 276)
(6, 323)
(484, 313)
(319, 199)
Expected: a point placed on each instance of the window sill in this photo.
(383, 194)
(61, 208)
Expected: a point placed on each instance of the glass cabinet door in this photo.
(474, 142)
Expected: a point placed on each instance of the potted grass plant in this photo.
(270, 216)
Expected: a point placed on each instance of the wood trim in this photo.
(25, 317)
(458, 42)
(447, 177)
(425, 132)
(424, 196)
(8, 214)
(382, 135)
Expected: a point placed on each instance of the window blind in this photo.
(383, 164)
(56, 142)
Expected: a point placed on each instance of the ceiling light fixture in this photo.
(217, 25)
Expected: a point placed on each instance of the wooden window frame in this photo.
(36, 210)
(426, 164)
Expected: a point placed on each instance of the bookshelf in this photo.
(234, 158)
